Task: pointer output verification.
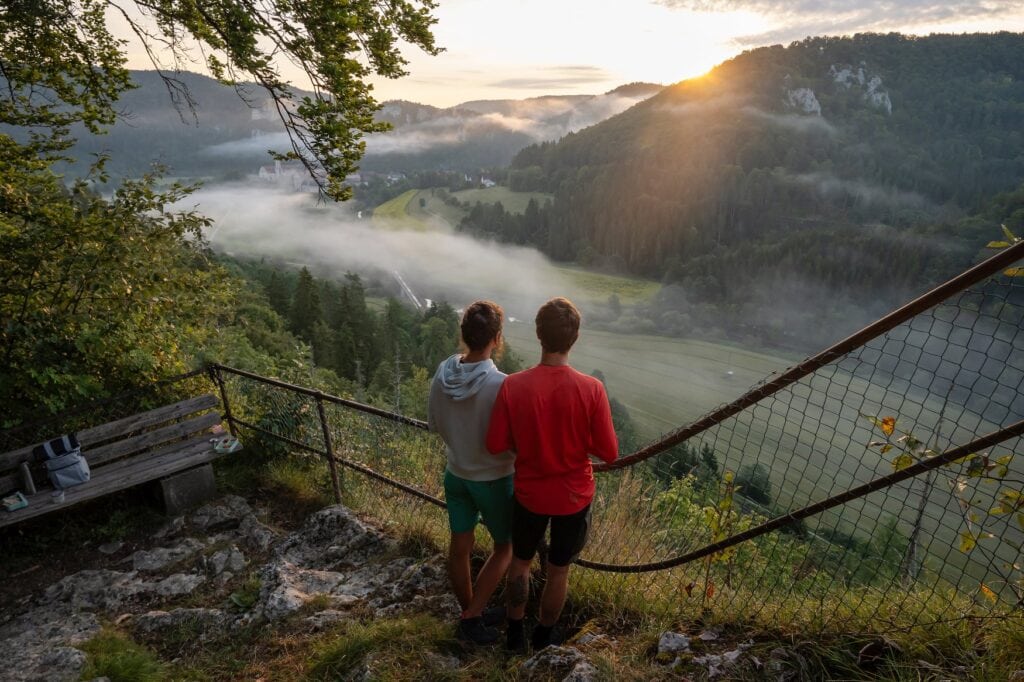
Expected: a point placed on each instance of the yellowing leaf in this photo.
(902, 462)
(886, 448)
(1020, 520)
(997, 245)
(967, 541)
(989, 594)
(1014, 272)
(888, 425)
(1009, 235)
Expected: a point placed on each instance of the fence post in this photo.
(214, 370)
(328, 447)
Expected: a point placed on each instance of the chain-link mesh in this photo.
(929, 550)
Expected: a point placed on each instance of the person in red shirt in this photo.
(553, 418)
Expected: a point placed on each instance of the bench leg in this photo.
(187, 489)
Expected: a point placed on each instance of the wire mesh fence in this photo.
(941, 546)
(840, 494)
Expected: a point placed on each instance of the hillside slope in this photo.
(836, 164)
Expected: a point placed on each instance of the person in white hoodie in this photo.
(476, 484)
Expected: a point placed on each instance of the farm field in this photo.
(405, 212)
(514, 202)
(598, 286)
(394, 214)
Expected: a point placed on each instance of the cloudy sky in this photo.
(524, 48)
(520, 48)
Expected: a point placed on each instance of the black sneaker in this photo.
(473, 630)
(541, 636)
(515, 641)
(494, 616)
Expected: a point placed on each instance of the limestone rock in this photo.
(287, 588)
(325, 618)
(175, 585)
(199, 622)
(584, 671)
(257, 535)
(227, 512)
(332, 537)
(671, 644)
(718, 665)
(110, 548)
(92, 590)
(38, 645)
(230, 559)
(153, 560)
(803, 100)
(62, 663)
(552, 662)
(418, 579)
(171, 529)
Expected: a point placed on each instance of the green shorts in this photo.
(468, 501)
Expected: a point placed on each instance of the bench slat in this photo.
(98, 434)
(120, 448)
(119, 476)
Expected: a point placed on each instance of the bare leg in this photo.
(518, 587)
(458, 567)
(552, 599)
(487, 581)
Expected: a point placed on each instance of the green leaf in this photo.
(997, 245)
(1020, 520)
(967, 541)
(1009, 235)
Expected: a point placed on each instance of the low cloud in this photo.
(250, 146)
(556, 77)
(252, 221)
(831, 186)
(794, 122)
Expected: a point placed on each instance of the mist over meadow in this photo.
(332, 240)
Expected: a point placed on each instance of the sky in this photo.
(498, 49)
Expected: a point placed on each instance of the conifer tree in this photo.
(305, 311)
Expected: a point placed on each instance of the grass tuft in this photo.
(114, 656)
(398, 649)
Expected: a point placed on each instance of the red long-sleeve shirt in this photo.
(553, 417)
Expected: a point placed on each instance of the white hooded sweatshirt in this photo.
(459, 409)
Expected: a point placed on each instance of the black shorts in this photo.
(568, 534)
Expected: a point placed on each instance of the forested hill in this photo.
(220, 132)
(871, 129)
(843, 166)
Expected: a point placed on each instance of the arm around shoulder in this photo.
(499, 429)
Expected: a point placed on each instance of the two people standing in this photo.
(541, 426)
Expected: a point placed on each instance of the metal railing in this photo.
(871, 485)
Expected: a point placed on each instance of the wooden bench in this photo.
(121, 454)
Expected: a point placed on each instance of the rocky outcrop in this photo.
(848, 77)
(39, 645)
(803, 100)
(558, 663)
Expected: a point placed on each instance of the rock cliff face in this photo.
(848, 77)
(334, 562)
(803, 100)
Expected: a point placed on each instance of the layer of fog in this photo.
(294, 229)
(832, 187)
(538, 119)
